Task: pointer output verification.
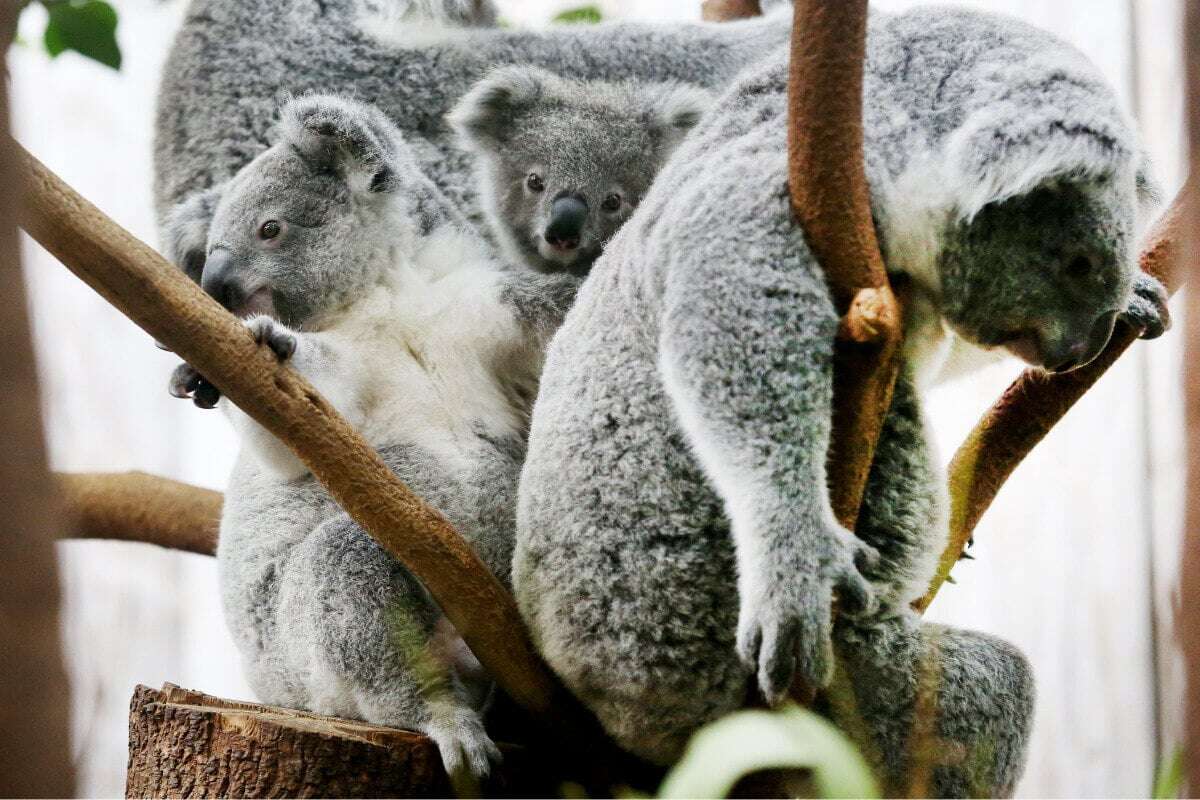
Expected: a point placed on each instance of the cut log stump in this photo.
(187, 744)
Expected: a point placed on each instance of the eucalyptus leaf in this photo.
(748, 741)
(89, 28)
(582, 15)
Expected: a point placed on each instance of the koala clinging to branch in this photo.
(563, 163)
(354, 268)
(675, 539)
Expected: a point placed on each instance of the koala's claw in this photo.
(275, 335)
(465, 747)
(1148, 312)
(186, 383)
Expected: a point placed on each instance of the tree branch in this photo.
(136, 507)
(729, 10)
(1035, 402)
(832, 203)
(162, 301)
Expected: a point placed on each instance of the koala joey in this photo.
(692, 553)
(353, 268)
(561, 163)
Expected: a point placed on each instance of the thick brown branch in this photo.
(162, 301)
(832, 202)
(729, 10)
(136, 507)
(35, 758)
(1034, 404)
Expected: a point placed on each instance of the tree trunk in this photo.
(35, 756)
(187, 744)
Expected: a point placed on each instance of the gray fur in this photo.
(538, 137)
(677, 452)
(372, 269)
(232, 58)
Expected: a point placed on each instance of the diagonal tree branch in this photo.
(1035, 402)
(162, 301)
(832, 203)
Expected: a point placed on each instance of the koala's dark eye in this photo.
(535, 182)
(269, 230)
(1079, 267)
(612, 203)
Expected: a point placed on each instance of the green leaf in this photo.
(747, 741)
(88, 28)
(1168, 783)
(584, 14)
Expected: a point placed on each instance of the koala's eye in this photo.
(612, 203)
(535, 182)
(269, 230)
(1079, 267)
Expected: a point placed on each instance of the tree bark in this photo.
(187, 744)
(729, 10)
(34, 695)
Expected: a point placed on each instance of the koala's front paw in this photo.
(785, 625)
(274, 334)
(186, 383)
(465, 746)
(1147, 311)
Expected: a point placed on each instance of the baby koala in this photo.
(350, 265)
(562, 163)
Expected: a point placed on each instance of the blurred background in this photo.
(1076, 560)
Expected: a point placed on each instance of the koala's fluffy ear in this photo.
(485, 115)
(676, 108)
(1066, 129)
(185, 231)
(353, 139)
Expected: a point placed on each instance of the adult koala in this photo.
(675, 539)
(232, 58)
(357, 271)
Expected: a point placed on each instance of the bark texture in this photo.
(35, 756)
(1035, 402)
(163, 302)
(136, 507)
(832, 203)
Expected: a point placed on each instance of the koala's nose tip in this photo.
(567, 217)
(1084, 350)
(221, 281)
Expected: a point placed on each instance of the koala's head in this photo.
(309, 224)
(1039, 253)
(564, 163)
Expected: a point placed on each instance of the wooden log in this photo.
(188, 744)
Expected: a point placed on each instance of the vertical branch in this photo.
(34, 695)
(1189, 580)
(832, 203)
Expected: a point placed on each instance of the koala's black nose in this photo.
(567, 216)
(1072, 352)
(221, 280)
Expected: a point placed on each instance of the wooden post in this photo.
(35, 759)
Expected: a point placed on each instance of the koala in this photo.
(352, 267)
(563, 163)
(676, 548)
(463, 13)
(216, 104)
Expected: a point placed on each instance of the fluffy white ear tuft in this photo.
(354, 139)
(1064, 130)
(485, 115)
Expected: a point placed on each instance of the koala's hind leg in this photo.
(373, 645)
(940, 711)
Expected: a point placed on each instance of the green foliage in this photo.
(582, 15)
(748, 741)
(1168, 783)
(89, 27)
